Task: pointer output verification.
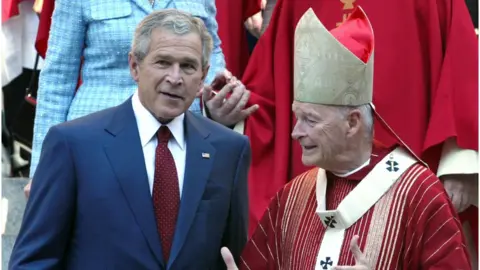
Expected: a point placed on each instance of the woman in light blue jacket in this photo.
(101, 31)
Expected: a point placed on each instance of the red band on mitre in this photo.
(356, 34)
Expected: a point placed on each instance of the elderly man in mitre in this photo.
(365, 206)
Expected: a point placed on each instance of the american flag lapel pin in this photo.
(206, 155)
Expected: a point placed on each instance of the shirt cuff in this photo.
(240, 127)
(455, 160)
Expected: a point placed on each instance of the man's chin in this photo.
(308, 160)
(167, 115)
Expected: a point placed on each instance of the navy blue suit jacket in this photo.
(90, 205)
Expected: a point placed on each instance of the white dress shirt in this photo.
(148, 126)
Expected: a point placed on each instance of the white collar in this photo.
(148, 125)
(353, 171)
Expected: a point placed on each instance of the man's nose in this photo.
(174, 76)
(298, 131)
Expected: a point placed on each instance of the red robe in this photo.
(412, 226)
(231, 15)
(425, 86)
(41, 43)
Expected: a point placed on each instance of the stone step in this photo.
(7, 246)
(11, 213)
(13, 196)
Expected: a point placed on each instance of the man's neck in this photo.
(352, 160)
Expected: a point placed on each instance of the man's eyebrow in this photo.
(185, 59)
(163, 56)
(190, 60)
(311, 114)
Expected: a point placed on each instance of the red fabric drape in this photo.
(41, 43)
(10, 9)
(231, 15)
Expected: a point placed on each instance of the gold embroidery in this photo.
(385, 260)
(345, 16)
(378, 224)
(259, 251)
(348, 4)
(295, 207)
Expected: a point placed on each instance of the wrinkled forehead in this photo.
(162, 37)
(303, 108)
(170, 46)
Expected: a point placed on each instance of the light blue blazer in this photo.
(101, 31)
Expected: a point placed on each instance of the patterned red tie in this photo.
(166, 194)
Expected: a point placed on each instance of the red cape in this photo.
(426, 89)
(231, 15)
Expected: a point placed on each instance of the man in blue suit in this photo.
(147, 184)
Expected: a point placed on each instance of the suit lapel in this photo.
(200, 157)
(127, 160)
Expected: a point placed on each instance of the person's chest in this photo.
(302, 231)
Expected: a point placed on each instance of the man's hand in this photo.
(254, 23)
(26, 189)
(228, 259)
(360, 259)
(460, 188)
(227, 111)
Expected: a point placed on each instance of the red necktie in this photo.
(166, 193)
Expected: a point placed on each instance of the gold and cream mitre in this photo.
(334, 67)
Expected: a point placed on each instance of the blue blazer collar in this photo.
(125, 154)
(147, 7)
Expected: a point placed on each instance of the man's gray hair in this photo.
(366, 116)
(179, 23)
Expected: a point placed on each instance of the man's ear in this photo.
(354, 122)
(133, 64)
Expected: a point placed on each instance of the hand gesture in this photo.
(228, 259)
(227, 111)
(254, 23)
(360, 259)
(219, 81)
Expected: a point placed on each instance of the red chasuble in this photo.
(412, 226)
(231, 15)
(425, 83)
